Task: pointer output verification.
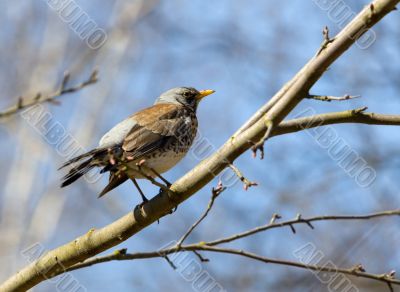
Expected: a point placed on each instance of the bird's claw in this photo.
(139, 206)
(174, 209)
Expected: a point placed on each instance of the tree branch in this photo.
(353, 271)
(275, 111)
(356, 270)
(330, 48)
(300, 220)
(214, 194)
(350, 116)
(332, 98)
(52, 98)
(246, 182)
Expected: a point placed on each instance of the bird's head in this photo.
(187, 96)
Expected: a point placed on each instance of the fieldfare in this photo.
(146, 144)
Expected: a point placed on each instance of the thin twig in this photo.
(169, 262)
(326, 268)
(350, 116)
(201, 258)
(247, 183)
(300, 220)
(51, 98)
(214, 194)
(260, 144)
(385, 278)
(332, 98)
(274, 217)
(327, 40)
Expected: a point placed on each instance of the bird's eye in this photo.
(189, 96)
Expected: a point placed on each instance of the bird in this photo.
(144, 145)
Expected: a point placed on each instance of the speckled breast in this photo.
(166, 157)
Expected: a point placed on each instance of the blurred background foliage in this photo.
(245, 50)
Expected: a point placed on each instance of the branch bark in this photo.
(274, 112)
(357, 270)
(52, 98)
(353, 271)
(332, 98)
(344, 117)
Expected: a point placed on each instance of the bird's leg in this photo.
(161, 177)
(165, 187)
(167, 183)
(141, 164)
(142, 195)
(140, 191)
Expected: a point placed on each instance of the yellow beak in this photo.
(204, 93)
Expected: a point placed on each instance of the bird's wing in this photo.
(117, 134)
(155, 126)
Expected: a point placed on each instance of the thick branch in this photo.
(52, 98)
(330, 50)
(283, 102)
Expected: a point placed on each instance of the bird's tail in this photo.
(86, 162)
(116, 178)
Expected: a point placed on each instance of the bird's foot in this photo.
(174, 209)
(139, 206)
(144, 201)
(161, 190)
